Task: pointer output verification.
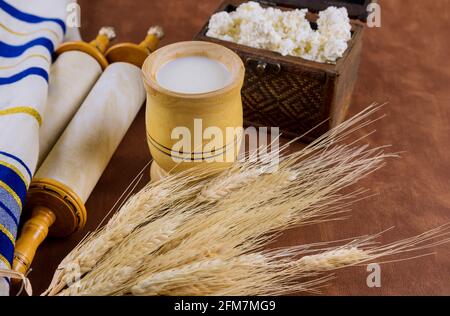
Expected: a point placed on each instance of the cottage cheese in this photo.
(286, 32)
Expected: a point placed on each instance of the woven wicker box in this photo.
(292, 93)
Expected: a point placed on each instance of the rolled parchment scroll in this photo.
(71, 170)
(84, 149)
(72, 76)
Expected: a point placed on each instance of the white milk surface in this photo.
(193, 74)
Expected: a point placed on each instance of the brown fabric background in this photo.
(404, 62)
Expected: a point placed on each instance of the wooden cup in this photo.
(219, 110)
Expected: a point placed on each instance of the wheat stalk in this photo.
(153, 201)
(274, 272)
(195, 233)
(148, 238)
(270, 272)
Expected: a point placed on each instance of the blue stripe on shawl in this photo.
(14, 182)
(6, 247)
(10, 51)
(20, 161)
(9, 202)
(5, 210)
(37, 71)
(8, 223)
(29, 18)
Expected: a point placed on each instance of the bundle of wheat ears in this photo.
(194, 233)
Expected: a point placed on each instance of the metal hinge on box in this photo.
(262, 66)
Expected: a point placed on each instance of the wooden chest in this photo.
(292, 93)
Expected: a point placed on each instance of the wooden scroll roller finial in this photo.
(56, 210)
(136, 53)
(95, 48)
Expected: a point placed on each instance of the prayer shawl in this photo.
(30, 31)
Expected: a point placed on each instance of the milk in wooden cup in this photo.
(193, 87)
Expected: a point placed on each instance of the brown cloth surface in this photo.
(404, 62)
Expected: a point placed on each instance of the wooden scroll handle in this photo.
(136, 53)
(95, 48)
(34, 231)
(56, 211)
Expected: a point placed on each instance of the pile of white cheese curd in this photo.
(286, 32)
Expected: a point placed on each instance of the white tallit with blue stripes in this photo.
(30, 30)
